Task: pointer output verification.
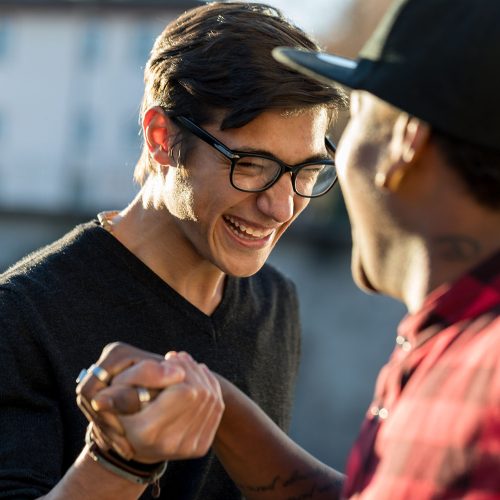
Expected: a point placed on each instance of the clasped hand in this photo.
(180, 420)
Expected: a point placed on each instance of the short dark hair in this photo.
(217, 57)
(478, 167)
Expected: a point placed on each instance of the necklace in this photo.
(106, 219)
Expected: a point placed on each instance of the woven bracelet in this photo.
(136, 472)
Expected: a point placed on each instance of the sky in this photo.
(317, 17)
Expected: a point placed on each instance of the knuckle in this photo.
(116, 350)
(204, 395)
(191, 393)
(113, 346)
(195, 394)
(215, 399)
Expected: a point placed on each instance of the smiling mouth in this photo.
(245, 232)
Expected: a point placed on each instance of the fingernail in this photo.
(102, 403)
(170, 354)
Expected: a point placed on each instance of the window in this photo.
(91, 44)
(82, 130)
(5, 35)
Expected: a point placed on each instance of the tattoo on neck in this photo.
(454, 247)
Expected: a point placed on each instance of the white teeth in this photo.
(254, 233)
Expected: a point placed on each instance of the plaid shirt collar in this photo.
(473, 294)
(447, 313)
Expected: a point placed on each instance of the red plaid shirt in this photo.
(433, 429)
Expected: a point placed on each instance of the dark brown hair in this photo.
(478, 166)
(217, 57)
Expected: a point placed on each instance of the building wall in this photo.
(71, 85)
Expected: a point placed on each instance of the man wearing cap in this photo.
(419, 166)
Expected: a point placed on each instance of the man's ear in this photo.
(158, 133)
(410, 136)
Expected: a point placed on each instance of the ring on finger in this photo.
(144, 396)
(102, 374)
(98, 372)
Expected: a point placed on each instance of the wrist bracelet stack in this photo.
(136, 472)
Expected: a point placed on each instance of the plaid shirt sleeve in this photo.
(433, 429)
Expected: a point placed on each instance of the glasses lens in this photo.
(315, 180)
(254, 173)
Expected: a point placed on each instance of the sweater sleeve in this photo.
(30, 421)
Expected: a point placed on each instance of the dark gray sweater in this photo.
(61, 305)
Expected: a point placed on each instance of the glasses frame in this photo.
(234, 155)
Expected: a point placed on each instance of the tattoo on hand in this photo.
(264, 487)
(321, 484)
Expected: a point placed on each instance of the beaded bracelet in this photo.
(136, 472)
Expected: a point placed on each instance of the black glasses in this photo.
(254, 173)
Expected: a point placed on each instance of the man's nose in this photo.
(278, 202)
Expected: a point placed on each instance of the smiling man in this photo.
(234, 148)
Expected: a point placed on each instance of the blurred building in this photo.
(71, 84)
(351, 30)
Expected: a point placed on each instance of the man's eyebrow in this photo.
(263, 152)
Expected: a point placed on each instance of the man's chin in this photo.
(359, 275)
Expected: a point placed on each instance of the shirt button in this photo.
(403, 343)
(381, 413)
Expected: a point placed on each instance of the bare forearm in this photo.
(87, 479)
(263, 461)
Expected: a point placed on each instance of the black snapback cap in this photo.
(438, 60)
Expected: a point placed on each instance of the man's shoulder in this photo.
(51, 262)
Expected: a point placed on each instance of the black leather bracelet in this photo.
(136, 472)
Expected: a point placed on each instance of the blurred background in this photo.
(70, 88)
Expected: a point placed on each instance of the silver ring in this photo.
(100, 373)
(81, 375)
(144, 396)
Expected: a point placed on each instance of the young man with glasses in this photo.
(419, 166)
(234, 148)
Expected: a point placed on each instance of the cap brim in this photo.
(327, 68)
